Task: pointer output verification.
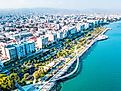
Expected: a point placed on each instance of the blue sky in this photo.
(68, 4)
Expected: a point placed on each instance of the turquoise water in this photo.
(101, 67)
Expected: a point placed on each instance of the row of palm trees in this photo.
(66, 52)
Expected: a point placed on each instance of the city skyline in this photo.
(46, 42)
(68, 4)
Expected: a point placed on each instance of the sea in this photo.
(101, 65)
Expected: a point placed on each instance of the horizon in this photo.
(94, 10)
(68, 4)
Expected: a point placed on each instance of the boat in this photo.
(102, 37)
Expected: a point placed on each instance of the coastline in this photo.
(80, 54)
(99, 64)
(50, 84)
(41, 52)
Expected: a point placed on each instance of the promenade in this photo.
(58, 75)
(47, 85)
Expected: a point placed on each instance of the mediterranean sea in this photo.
(101, 69)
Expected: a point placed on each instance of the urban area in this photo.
(36, 51)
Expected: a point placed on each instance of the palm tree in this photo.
(36, 76)
(6, 84)
(14, 76)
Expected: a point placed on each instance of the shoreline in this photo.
(80, 54)
(50, 84)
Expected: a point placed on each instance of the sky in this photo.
(64, 4)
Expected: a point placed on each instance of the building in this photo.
(97, 23)
(101, 22)
(42, 42)
(80, 27)
(21, 35)
(29, 47)
(20, 48)
(59, 35)
(10, 52)
(52, 37)
(86, 26)
(72, 30)
(65, 33)
(32, 47)
(91, 24)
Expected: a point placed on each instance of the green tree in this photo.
(26, 75)
(2, 75)
(23, 82)
(6, 84)
(14, 77)
(36, 75)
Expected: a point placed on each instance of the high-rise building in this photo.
(29, 47)
(72, 30)
(52, 37)
(10, 52)
(42, 41)
(59, 35)
(20, 48)
(32, 47)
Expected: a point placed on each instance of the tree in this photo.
(23, 81)
(6, 84)
(2, 75)
(35, 61)
(36, 65)
(14, 77)
(58, 54)
(36, 75)
(64, 53)
(26, 75)
(42, 75)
